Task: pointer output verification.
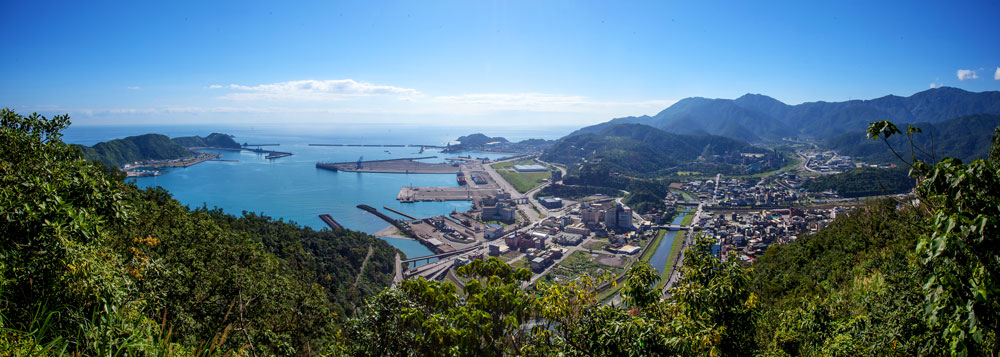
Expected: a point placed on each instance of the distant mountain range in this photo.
(756, 117)
(118, 152)
(637, 148)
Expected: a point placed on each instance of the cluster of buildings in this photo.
(499, 207)
(607, 215)
(750, 162)
(732, 192)
(750, 233)
(533, 244)
(829, 161)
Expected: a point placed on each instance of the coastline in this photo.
(391, 232)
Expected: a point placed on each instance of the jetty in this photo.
(277, 155)
(364, 145)
(393, 166)
(330, 222)
(400, 213)
(402, 228)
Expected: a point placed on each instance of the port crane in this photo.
(359, 162)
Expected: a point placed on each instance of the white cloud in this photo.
(134, 88)
(967, 74)
(996, 76)
(934, 85)
(315, 90)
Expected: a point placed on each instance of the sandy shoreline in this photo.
(391, 232)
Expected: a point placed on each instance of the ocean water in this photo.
(292, 188)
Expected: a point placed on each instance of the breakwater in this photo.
(382, 145)
(400, 213)
(330, 221)
(401, 227)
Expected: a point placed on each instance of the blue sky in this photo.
(490, 63)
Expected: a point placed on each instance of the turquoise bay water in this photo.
(292, 188)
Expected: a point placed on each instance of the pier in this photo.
(330, 222)
(249, 145)
(400, 213)
(394, 166)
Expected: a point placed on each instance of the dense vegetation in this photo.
(965, 138)
(92, 265)
(755, 117)
(575, 192)
(639, 149)
(214, 140)
(644, 202)
(118, 152)
(864, 182)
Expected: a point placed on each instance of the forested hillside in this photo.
(966, 138)
(118, 152)
(864, 182)
(639, 149)
(92, 265)
(214, 140)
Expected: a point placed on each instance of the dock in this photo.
(393, 166)
(330, 222)
(439, 194)
(400, 213)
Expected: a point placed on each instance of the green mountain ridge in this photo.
(215, 140)
(637, 148)
(965, 138)
(118, 152)
(755, 117)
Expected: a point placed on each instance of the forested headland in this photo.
(92, 265)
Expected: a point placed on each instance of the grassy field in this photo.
(687, 219)
(597, 245)
(522, 181)
(580, 263)
(523, 263)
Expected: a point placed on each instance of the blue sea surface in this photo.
(292, 188)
